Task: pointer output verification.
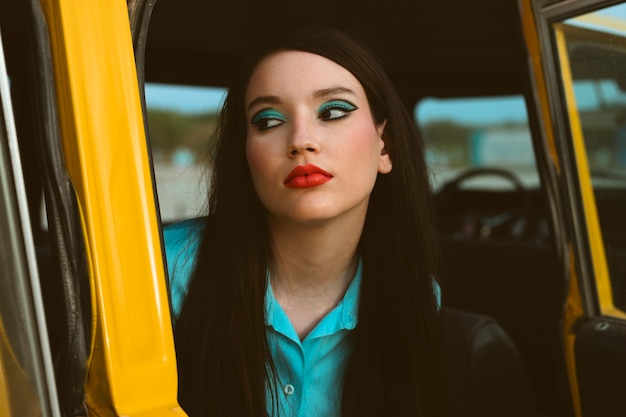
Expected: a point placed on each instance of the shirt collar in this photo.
(350, 313)
(348, 309)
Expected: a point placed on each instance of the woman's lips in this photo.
(307, 176)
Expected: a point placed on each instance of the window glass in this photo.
(484, 132)
(594, 67)
(181, 123)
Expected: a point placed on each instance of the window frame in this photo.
(29, 354)
(593, 363)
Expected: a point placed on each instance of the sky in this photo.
(184, 99)
(473, 110)
(610, 20)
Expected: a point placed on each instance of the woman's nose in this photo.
(303, 138)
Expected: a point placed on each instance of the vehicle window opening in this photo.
(596, 49)
(181, 125)
(483, 145)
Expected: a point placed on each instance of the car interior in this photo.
(509, 276)
(503, 287)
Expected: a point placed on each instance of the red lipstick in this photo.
(307, 176)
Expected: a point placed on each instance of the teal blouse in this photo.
(310, 371)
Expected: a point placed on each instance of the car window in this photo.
(181, 123)
(480, 132)
(593, 58)
(482, 163)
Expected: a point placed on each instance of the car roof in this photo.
(430, 48)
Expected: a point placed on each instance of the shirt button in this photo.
(289, 389)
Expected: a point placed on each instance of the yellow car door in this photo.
(581, 55)
(73, 80)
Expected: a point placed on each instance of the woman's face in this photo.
(312, 145)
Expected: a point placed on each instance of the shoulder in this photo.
(175, 233)
(182, 242)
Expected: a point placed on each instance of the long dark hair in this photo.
(224, 362)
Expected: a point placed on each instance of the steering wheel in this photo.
(483, 221)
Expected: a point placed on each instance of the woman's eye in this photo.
(266, 119)
(336, 109)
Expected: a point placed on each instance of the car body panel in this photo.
(132, 370)
(593, 325)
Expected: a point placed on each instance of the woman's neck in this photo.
(313, 266)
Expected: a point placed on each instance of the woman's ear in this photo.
(384, 162)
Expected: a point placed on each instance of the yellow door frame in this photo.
(132, 370)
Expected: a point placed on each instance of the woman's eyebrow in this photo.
(263, 100)
(332, 91)
(325, 92)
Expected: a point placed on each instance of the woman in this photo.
(311, 290)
